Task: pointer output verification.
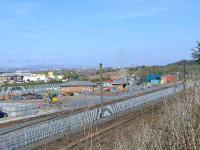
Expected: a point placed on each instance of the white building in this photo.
(34, 78)
(3, 79)
(59, 77)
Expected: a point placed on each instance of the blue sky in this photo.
(81, 33)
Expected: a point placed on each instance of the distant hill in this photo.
(188, 62)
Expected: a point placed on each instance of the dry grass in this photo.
(174, 125)
(178, 127)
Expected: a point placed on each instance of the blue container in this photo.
(155, 82)
(151, 77)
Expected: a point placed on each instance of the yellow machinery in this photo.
(55, 100)
(52, 97)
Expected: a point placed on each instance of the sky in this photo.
(84, 33)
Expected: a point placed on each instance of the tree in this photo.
(71, 75)
(196, 53)
(96, 80)
(156, 70)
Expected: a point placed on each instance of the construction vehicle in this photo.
(52, 97)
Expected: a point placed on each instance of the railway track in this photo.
(30, 133)
(62, 113)
(102, 133)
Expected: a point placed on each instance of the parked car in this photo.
(3, 114)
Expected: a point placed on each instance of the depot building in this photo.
(72, 87)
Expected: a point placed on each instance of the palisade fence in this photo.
(28, 89)
(19, 109)
(33, 133)
(29, 134)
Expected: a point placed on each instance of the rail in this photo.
(21, 137)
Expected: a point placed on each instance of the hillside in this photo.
(188, 62)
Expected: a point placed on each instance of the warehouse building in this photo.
(72, 87)
(121, 85)
(34, 77)
(168, 79)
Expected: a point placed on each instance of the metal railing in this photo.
(28, 89)
(35, 132)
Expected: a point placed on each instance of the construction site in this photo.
(47, 112)
(40, 116)
(99, 75)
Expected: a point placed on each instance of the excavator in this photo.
(52, 97)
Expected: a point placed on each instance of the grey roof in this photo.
(119, 82)
(78, 83)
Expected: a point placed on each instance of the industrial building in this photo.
(121, 85)
(34, 77)
(107, 83)
(72, 87)
(158, 79)
(11, 78)
(168, 79)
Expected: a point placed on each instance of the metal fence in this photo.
(28, 89)
(33, 133)
(19, 109)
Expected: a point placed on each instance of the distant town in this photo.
(17, 85)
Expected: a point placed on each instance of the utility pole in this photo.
(184, 72)
(101, 82)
